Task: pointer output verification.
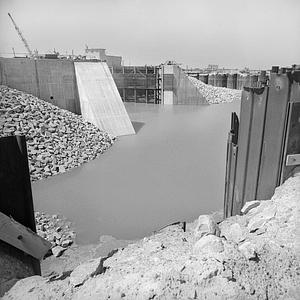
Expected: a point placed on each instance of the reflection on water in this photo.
(171, 170)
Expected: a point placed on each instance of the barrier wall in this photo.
(185, 91)
(19, 73)
(268, 146)
(49, 79)
(178, 89)
(232, 81)
(55, 81)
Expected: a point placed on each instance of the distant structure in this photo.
(212, 68)
(99, 53)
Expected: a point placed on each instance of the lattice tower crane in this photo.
(21, 37)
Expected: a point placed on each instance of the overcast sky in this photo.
(231, 33)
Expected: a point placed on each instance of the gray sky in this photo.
(231, 33)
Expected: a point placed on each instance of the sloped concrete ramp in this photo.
(100, 101)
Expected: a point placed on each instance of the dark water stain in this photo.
(171, 170)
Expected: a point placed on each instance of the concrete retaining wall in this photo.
(185, 91)
(19, 73)
(51, 80)
(178, 89)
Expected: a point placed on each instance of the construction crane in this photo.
(21, 37)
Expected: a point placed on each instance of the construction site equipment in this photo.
(30, 53)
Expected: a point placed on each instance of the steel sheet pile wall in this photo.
(242, 81)
(231, 158)
(266, 138)
(232, 81)
(49, 79)
(220, 80)
(211, 79)
(16, 202)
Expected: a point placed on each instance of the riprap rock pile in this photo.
(57, 140)
(215, 94)
(55, 229)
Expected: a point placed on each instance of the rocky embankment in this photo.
(57, 140)
(215, 94)
(252, 256)
(57, 230)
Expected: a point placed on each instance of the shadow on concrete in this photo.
(137, 126)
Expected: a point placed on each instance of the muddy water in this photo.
(171, 170)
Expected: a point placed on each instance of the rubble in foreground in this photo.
(252, 256)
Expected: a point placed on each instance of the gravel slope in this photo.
(57, 140)
(215, 94)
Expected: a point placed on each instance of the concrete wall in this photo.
(49, 79)
(113, 61)
(19, 73)
(178, 89)
(57, 83)
(100, 100)
(185, 91)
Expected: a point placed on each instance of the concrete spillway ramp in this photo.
(100, 101)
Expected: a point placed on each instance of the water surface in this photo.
(171, 170)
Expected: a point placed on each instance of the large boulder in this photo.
(234, 232)
(205, 225)
(84, 271)
(249, 205)
(248, 249)
(208, 244)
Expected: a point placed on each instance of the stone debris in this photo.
(205, 225)
(84, 271)
(249, 205)
(233, 232)
(214, 94)
(57, 140)
(173, 264)
(247, 249)
(209, 244)
(57, 250)
(55, 229)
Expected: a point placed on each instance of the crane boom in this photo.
(21, 36)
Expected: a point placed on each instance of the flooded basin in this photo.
(172, 170)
